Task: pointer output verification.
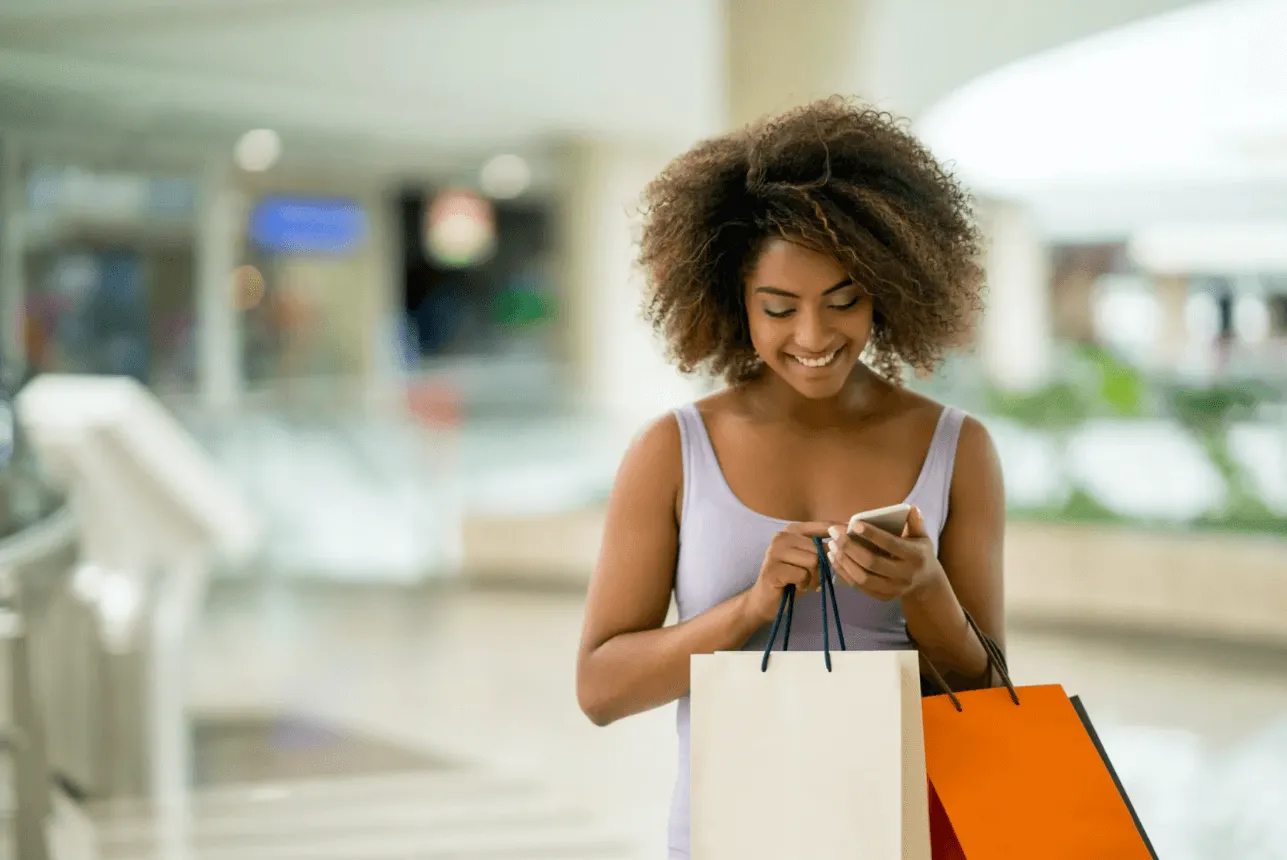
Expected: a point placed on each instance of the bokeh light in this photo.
(505, 177)
(258, 150)
(248, 288)
(460, 229)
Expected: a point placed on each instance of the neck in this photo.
(861, 395)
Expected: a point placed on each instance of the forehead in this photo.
(789, 265)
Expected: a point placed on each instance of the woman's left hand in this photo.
(886, 566)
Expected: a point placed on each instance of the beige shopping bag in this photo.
(808, 755)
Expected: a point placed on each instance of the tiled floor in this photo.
(1198, 732)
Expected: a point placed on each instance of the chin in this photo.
(817, 390)
(816, 386)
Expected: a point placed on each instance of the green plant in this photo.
(1121, 387)
(1083, 507)
(1208, 413)
(1097, 383)
(1059, 406)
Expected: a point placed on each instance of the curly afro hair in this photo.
(836, 176)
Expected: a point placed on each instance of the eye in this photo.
(852, 303)
(777, 315)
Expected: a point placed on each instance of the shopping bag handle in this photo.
(787, 604)
(996, 660)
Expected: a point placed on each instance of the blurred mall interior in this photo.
(321, 343)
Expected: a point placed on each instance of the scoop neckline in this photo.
(732, 496)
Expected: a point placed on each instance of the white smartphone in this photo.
(891, 519)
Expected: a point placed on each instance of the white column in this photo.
(12, 274)
(383, 371)
(785, 53)
(219, 357)
(1172, 299)
(619, 363)
(1016, 338)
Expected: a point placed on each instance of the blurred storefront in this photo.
(218, 284)
(108, 264)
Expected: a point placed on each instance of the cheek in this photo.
(763, 333)
(862, 321)
(770, 338)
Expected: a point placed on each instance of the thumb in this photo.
(915, 527)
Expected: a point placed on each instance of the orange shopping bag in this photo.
(1019, 774)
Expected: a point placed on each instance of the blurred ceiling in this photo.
(446, 74)
(411, 82)
(1179, 118)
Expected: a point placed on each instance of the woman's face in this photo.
(809, 321)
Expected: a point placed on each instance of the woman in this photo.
(805, 260)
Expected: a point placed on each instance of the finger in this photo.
(804, 542)
(874, 563)
(803, 578)
(832, 568)
(809, 529)
(881, 540)
(837, 541)
(800, 555)
(811, 581)
(879, 589)
(868, 582)
(859, 554)
(801, 547)
(848, 572)
(847, 569)
(915, 527)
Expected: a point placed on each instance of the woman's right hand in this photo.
(791, 559)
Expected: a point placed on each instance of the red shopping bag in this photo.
(943, 841)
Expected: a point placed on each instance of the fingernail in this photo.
(831, 547)
(835, 532)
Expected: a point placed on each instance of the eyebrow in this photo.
(786, 294)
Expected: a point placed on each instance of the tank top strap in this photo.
(941, 462)
(699, 458)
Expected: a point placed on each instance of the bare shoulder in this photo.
(916, 412)
(658, 447)
(652, 470)
(977, 473)
(975, 439)
(977, 467)
(723, 403)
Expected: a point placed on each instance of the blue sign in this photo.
(297, 225)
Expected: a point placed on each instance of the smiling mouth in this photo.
(820, 360)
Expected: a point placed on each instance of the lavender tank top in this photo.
(722, 543)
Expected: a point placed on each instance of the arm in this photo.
(971, 562)
(628, 662)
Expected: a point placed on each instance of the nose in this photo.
(812, 332)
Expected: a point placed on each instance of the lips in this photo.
(817, 361)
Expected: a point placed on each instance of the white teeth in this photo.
(816, 362)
